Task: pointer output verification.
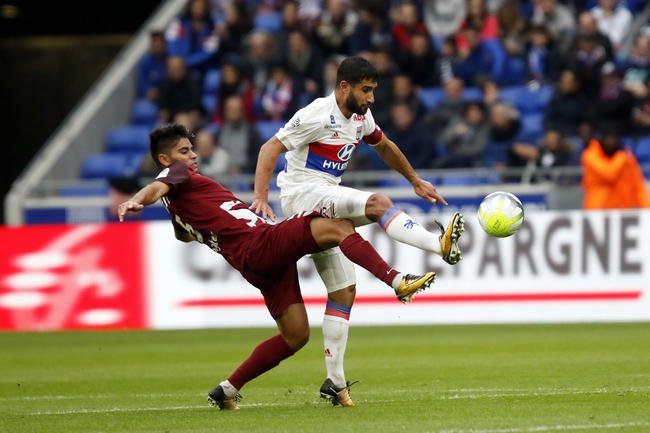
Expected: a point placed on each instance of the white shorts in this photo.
(336, 270)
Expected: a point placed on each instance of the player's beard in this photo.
(354, 107)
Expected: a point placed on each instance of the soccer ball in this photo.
(501, 214)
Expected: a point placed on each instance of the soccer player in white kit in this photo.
(320, 140)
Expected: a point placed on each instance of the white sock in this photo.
(396, 281)
(403, 228)
(228, 389)
(335, 339)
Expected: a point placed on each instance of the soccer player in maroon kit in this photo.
(265, 254)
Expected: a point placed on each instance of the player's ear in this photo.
(345, 86)
(164, 159)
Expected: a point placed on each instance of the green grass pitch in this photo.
(429, 379)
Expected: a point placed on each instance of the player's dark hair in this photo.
(354, 70)
(164, 138)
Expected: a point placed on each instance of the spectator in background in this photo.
(554, 150)
(419, 61)
(329, 74)
(543, 60)
(614, 20)
(279, 100)
(335, 27)
(450, 107)
(152, 68)
(478, 62)
(443, 18)
(491, 93)
(213, 159)
(238, 137)
(237, 23)
(407, 24)
(637, 63)
(234, 82)
(446, 61)
(372, 31)
(505, 126)
(612, 178)
(404, 91)
(462, 143)
(305, 64)
(290, 23)
(557, 18)
(614, 102)
(566, 112)
(479, 18)
(587, 58)
(415, 140)
(641, 112)
(260, 54)
(386, 71)
(180, 95)
(512, 27)
(192, 37)
(587, 25)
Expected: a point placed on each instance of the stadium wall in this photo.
(561, 267)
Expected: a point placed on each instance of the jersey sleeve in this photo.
(300, 130)
(174, 175)
(371, 132)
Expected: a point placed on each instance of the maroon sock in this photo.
(265, 356)
(361, 252)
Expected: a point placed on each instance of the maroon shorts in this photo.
(271, 262)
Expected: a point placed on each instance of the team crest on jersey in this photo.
(358, 135)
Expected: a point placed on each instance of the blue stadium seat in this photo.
(532, 127)
(209, 101)
(527, 100)
(110, 165)
(128, 139)
(268, 128)
(84, 190)
(431, 96)
(144, 113)
(211, 80)
(472, 94)
(268, 21)
(642, 150)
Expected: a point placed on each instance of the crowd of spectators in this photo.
(448, 71)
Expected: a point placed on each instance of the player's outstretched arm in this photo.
(395, 159)
(146, 196)
(266, 162)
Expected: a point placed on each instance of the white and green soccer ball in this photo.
(501, 214)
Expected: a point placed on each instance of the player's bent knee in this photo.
(377, 205)
(297, 339)
(344, 296)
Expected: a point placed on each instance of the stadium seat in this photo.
(526, 99)
(642, 150)
(211, 80)
(110, 165)
(532, 127)
(268, 128)
(144, 113)
(84, 190)
(472, 94)
(431, 96)
(268, 21)
(128, 139)
(209, 101)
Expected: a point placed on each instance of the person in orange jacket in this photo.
(612, 178)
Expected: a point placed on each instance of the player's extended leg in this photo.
(294, 334)
(402, 227)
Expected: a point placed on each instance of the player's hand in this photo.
(427, 191)
(128, 206)
(262, 207)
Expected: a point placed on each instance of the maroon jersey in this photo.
(208, 211)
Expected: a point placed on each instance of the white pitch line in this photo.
(508, 394)
(560, 427)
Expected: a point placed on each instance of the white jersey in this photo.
(321, 141)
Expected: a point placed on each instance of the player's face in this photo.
(361, 96)
(184, 152)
